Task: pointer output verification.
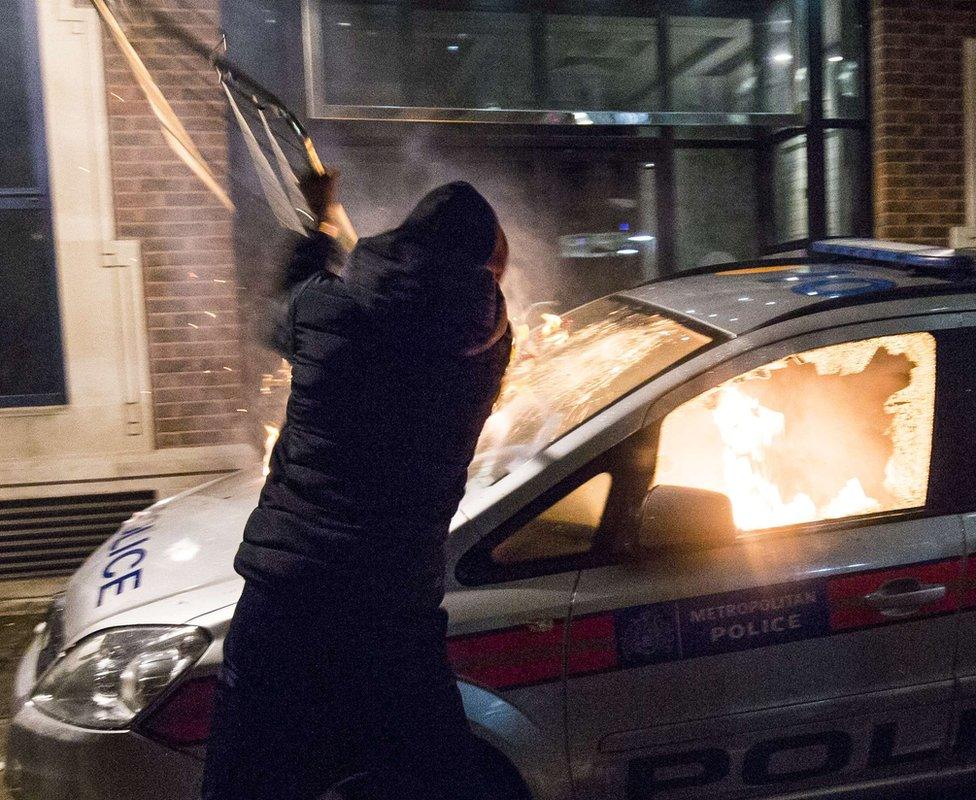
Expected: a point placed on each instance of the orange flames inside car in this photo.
(552, 329)
(748, 429)
(829, 433)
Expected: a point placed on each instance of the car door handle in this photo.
(902, 597)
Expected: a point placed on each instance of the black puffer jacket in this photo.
(395, 367)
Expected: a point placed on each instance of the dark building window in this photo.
(31, 365)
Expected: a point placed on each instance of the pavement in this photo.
(22, 606)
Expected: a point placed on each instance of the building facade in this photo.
(619, 140)
(920, 170)
(107, 398)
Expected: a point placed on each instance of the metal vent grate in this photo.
(53, 535)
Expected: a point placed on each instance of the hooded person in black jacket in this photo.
(335, 662)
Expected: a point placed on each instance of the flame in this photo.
(828, 433)
(270, 437)
(529, 343)
(748, 431)
(552, 330)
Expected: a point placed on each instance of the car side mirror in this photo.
(683, 518)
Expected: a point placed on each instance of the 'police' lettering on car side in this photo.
(767, 761)
(123, 570)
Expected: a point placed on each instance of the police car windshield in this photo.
(569, 368)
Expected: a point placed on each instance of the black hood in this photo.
(429, 277)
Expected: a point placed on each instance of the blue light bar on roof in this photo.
(906, 255)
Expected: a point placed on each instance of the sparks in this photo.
(568, 368)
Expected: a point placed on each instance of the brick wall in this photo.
(918, 136)
(195, 342)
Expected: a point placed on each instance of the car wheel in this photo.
(505, 781)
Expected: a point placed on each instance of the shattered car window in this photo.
(834, 432)
(568, 369)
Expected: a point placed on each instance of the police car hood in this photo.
(167, 564)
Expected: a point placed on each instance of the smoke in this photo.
(381, 183)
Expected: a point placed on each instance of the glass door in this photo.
(716, 210)
(602, 218)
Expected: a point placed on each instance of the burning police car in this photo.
(719, 538)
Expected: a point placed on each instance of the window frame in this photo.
(477, 567)
(616, 538)
(666, 129)
(539, 113)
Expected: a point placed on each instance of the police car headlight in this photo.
(109, 677)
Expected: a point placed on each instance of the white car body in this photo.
(843, 708)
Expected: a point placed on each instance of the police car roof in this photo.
(739, 298)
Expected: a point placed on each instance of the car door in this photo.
(506, 645)
(814, 647)
(509, 604)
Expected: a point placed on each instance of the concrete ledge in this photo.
(30, 595)
(165, 471)
(24, 603)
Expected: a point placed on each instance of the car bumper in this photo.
(51, 760)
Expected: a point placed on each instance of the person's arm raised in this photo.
(320, 252)
(321, 191)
